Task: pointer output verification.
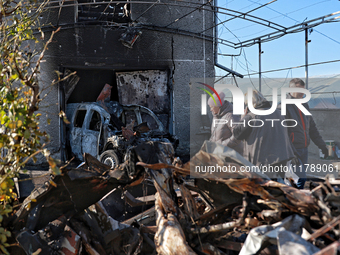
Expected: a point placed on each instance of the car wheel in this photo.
(110, 158)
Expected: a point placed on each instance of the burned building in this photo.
(147, 52)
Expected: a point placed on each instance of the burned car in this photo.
(106, 130)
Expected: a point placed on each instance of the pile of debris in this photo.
(228, 213)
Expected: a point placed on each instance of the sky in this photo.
(287, 51)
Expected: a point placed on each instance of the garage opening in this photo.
(148, 88)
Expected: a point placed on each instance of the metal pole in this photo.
(215, 34)
(232, 63)
(260, 52)
(216, 45)
(306, 55)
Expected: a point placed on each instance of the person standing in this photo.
(266, 143)
(221, 128)
(303, 132)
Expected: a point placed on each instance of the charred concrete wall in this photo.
(92, 46)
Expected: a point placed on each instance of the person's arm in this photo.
(316, 137)
(231, 142)
(240, 131)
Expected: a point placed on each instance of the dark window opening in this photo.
(95, 122)
(91, 83)
(116, 122)
(89, 10)
(130, 116)
(80, 118)
(152, 124)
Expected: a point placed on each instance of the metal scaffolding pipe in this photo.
(216, 46)
(260, 52)
(293, 29)
(306, 55)
(221, 23)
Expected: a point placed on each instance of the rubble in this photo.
(225, 213)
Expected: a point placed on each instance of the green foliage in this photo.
(20, 136)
